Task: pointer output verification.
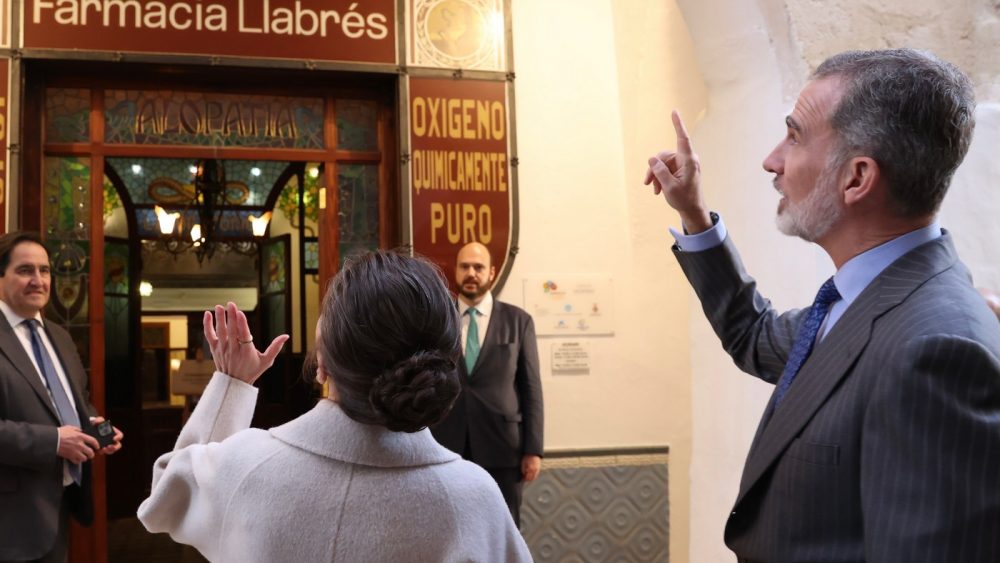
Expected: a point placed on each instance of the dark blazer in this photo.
(31, 475)
(499, 410)
(887, 445)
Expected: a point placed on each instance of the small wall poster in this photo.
(564, 306)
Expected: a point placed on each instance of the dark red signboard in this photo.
(319, 30)
(460, 180)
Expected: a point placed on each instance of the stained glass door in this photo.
(103, 134)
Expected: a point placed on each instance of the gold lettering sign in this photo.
(226, 118)
(164, 117)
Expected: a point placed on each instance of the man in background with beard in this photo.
(497, 421)
(882, 435)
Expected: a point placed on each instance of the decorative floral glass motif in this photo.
(67, 115)
(311, 260)
(111, 199)
(357, 125)
(358, 211)
(166, 117)
(288, 201)
(66, 220)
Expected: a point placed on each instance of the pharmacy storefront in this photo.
(178, 153)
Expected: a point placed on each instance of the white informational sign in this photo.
(571, 358)
(570, 306)
(191, 377)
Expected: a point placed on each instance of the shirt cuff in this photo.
(704, 240)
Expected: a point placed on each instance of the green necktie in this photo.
(471, 340)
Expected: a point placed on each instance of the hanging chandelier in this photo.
(192, 219)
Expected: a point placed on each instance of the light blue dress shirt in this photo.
(851, 279)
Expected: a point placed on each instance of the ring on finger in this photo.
(242, 342)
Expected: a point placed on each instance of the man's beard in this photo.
(813, 217)
(474, 295)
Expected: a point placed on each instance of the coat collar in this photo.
(327, 431)
(10, 346)
(833, 357)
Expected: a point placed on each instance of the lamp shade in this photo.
(166, 220)
(259, 224)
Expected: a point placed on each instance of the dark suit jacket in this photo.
(499, 410)
(31, 475)
(887, 445)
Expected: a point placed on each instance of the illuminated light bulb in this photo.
(166, 220)
(136, 169)
(255, 171)
(314, 171)
(259, 224)
(145, 288)
(196, 232)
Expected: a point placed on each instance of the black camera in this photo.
(103, 432)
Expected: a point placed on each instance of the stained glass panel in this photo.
(68, 301)
(111, 199)
(67, 115)
(357, 125)
(67, 197)
(288, 201)
(171, 180)
(116, 274)
(275, 276)
(66, 217)
(165, 117)
(358, 211)
(311, 261)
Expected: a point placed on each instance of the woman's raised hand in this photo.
(229, 337)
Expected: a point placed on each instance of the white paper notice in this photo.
(571, 358)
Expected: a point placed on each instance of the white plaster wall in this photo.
(745, 119)
(596, 80)
(972, 206)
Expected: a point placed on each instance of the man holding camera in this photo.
(44, 409)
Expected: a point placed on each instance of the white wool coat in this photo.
(321, 488)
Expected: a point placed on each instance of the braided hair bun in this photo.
(416, 392)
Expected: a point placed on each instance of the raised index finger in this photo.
(683, 141)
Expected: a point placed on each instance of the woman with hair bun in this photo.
(357, 478)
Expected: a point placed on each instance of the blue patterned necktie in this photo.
(67, 414)
(806, 337)
(471, 340)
